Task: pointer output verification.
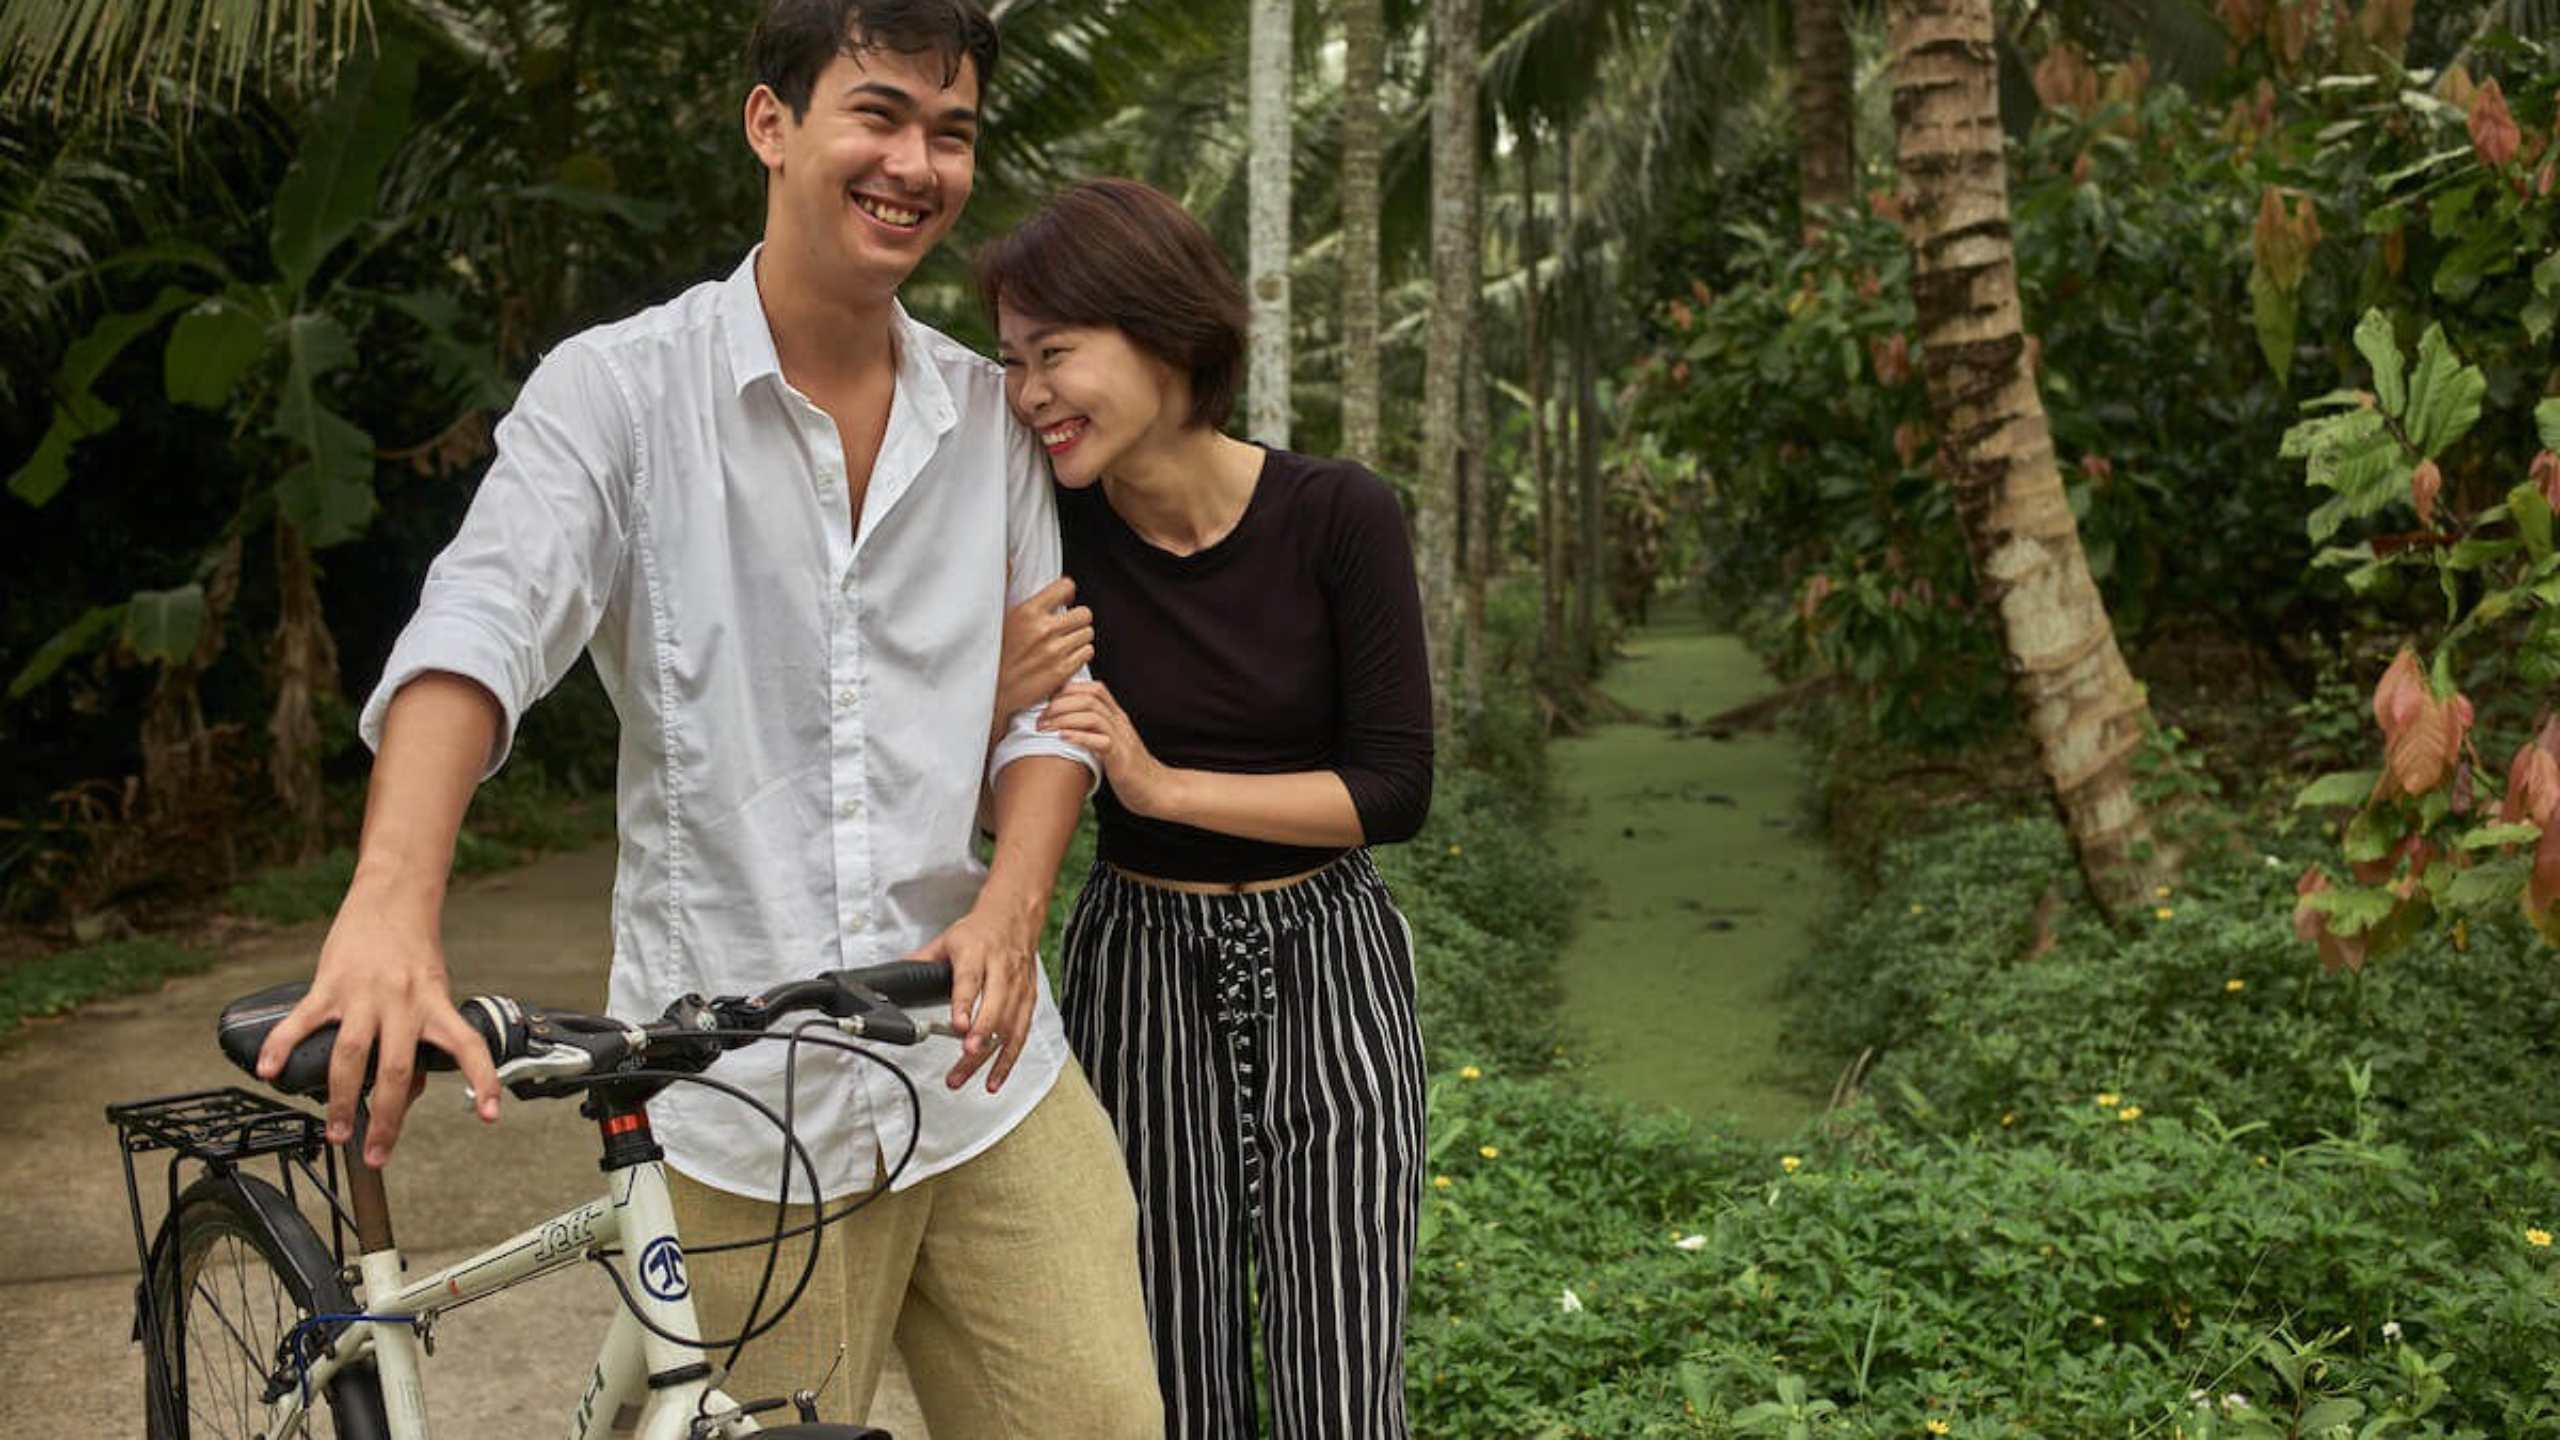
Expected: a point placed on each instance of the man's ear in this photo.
(767, 120)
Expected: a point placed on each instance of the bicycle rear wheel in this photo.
(237, 1267)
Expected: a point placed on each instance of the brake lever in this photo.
(552, 1062)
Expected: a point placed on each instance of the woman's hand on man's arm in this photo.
(1047, 639)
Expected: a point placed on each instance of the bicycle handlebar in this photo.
(552, 1050)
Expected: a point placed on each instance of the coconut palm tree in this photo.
(1456, 271)
(1267, 264)
(2081, 705)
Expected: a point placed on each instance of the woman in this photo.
(1238, 984)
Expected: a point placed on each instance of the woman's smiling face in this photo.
(1088, 393)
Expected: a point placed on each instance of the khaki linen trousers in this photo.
(1008, 1282)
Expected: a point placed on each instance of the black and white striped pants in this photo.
(1259, 1057)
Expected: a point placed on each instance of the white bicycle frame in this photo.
(618, 1404)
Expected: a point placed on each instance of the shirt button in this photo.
(859, 920)
(849, 809)
(844, 698)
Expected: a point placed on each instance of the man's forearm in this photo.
(435, 742)
(1036, 802)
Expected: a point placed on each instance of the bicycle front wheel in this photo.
(237, 1268)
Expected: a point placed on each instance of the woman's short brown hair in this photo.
(1122, 253)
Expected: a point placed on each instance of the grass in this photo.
(52, 984)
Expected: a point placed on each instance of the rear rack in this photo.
(217, 1127)
(221, 1130)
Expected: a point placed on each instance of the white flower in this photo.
(2274, 864)
(1691, 1242)
(2197, 1397)
(2391, 1331)
(1568, 1302)
(2235, 1402)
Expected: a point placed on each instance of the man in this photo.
(781, 515)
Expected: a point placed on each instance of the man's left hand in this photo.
(993, 990)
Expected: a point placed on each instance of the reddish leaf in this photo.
(2337, 952)
(2065, 79)
(1816, 590)
(2422, 754)
(2533, 788)
(1892, 357)
(2424, 485)
(2097, 467)
(2545, 477)
(2493, 127)
(2542, 892)
(2243, 18)
(2402, 690)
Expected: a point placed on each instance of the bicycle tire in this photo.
(235, 1267)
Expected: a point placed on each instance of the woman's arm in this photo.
(1304, 807)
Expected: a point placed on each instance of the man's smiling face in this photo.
(866, 183)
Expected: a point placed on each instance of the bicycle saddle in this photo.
(247, 1021)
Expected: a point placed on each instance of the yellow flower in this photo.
(2235, 985)
(2108, 1099)
(2097, 1322)
(2160, 892)
(2130, 1113)
(1469, 1072)
(2008, 1118)
(2164, 913)
(2539, 1239)
(1938, 1427)
(1919, 909)
(1490, 1152)
(1791, 1163)
(1441, 1182)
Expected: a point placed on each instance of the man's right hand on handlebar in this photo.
(381, 974)
(382, 979)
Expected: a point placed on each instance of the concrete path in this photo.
(509, 1366)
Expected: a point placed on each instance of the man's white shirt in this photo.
(804, 709)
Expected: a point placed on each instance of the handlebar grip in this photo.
(904, 982)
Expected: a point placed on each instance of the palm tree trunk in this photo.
(1826, 129)
(1455, 262)
(1475, 489)
(1592, 557)
(1363, 59)
(1559, 552)
(2080, 702)
(1533, 341)
(1267, 242)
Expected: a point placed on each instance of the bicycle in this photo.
(253, 1325)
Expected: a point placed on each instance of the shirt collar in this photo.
(752, 356)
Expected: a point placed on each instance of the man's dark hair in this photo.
(796, 39)
(1124, 254)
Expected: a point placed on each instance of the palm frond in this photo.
(56, 216)
(102, 56)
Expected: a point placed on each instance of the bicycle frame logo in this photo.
(662, 1269)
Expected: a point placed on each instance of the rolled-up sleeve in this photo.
(520, 591)
(1033, 560)
(1384, 751)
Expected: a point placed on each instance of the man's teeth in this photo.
(895, 215)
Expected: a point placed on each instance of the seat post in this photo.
(365, 1193)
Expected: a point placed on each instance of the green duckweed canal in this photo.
(1704, 888)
